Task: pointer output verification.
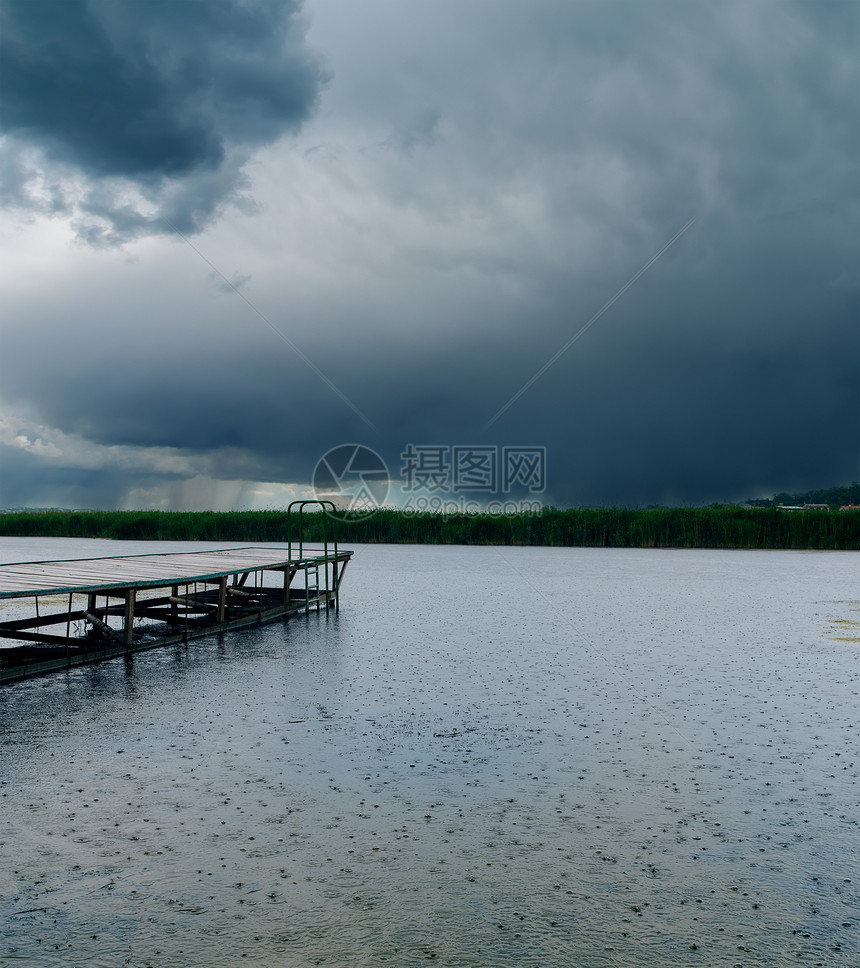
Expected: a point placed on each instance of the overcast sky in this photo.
(238, 233)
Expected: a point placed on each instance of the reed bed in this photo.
(710, 527)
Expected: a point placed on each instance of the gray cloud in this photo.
(31, 481)
(478, 181)
(157, 105)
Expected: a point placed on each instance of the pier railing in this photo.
(328, 522)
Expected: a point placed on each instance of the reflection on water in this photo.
(539, 757)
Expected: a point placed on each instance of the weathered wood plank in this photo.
(23, 579)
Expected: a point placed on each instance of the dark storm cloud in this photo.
(484, 178)
(700, 385)
(167, 97)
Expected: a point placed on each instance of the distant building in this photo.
(803, 507)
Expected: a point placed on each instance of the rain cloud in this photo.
(131, 116)
(429, 203)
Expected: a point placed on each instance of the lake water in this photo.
(489, 757)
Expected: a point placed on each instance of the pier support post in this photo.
(128, 628)
(338, 581)
(222, 601)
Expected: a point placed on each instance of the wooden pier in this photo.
(100, 608)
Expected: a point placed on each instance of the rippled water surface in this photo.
(514, 756)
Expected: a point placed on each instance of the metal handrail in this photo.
(323, 505)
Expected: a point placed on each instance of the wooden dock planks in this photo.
(25, 579)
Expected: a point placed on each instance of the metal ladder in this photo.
(312, 571)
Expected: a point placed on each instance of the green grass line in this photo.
(711, 527)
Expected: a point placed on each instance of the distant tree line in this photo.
(834, 496)
(711, 527)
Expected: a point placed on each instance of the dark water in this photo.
(536, 757)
